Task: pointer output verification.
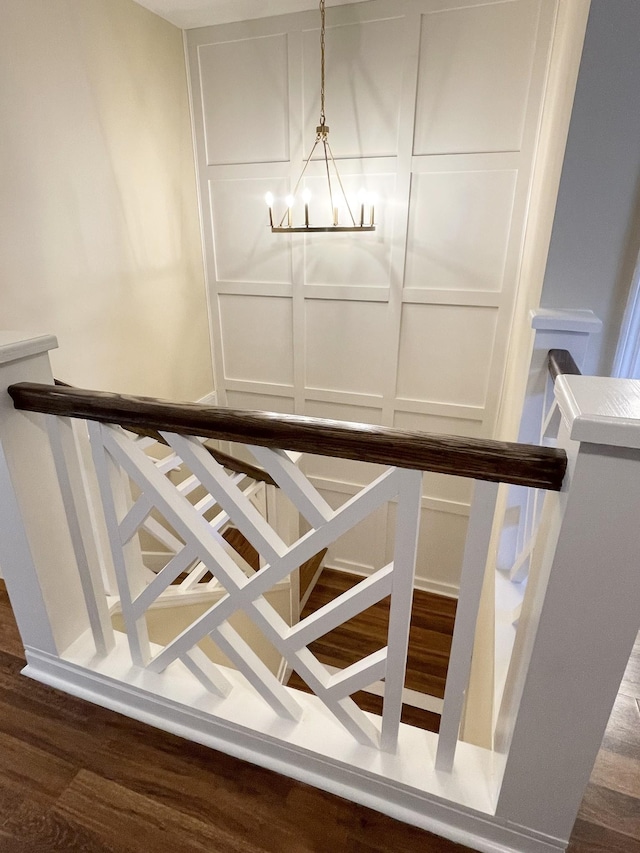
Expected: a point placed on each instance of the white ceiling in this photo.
(187, 14)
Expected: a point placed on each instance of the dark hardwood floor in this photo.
(429, 643)
(75, 778)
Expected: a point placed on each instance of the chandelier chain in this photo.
(322, 29)
(336, 192)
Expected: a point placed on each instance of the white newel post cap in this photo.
(567, 320)
(17, 345)
(600, 410)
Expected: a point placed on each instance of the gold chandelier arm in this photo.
(325, 144)
(344, 195)
(304, 169)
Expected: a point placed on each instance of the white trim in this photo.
(573, 320)
(448, 590)
(191, 14)
(344, 487)
(16, 345)
(600, 410)
(424, 701)
(387, 788)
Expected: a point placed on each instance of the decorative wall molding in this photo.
(409, 325)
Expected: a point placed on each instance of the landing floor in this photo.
(80, 779)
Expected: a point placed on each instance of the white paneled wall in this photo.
(435, 105)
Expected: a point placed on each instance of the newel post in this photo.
(36, 555)
(552, 329)
(581, 612)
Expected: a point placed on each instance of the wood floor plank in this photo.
(590, 838)
(612, 810)
(367, 835)
(623, 731)
(631, 681)
(46, 831)
(9, 635)
(245, 802)
(76, 778)
(69, 730)
(618, 773)
(308, 571)
(432, 623)
(29, 768)
(135, 823)
(373, 704)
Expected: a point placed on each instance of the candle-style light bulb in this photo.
(290, 202)
(362, 197)
(373, 200)
(269, 200)
(306, 197)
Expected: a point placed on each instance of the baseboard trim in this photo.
(135, 698)
(423, 584)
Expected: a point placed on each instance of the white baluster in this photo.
(471, 580)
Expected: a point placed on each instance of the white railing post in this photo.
(580, 613)
(36, 553)
(570, 330)
(516, 523)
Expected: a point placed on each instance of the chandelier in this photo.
(365, 220)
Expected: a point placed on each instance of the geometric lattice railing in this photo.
(119, 459)
(204, 552)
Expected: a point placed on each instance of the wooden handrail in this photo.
(483, 459)
(238, 466)
(561, 362)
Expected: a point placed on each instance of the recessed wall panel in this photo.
(342, 470)
(459, 225)
(361, 259)
(245, 96)
(362, 547)
(445, 353)
(440, 548)
(364, 68)
(244, 247)
(257, 340)
(345, 345)
(442, 486)
(260, 402)
(474, 77)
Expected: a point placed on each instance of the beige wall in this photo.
(99, 238)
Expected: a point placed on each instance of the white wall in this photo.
(99, 240)
(436, 107)
(596, 233)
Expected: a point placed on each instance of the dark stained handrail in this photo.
(561, 362)
(238, 466)
(483, 459)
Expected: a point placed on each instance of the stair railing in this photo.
(578, 625)
(183, 427)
